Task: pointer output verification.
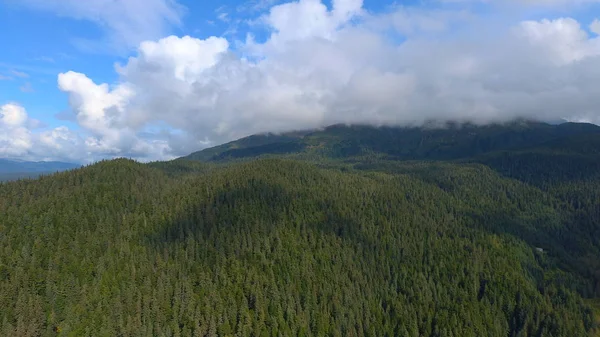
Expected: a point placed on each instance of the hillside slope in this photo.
(453, 141)
(279, 247)
(497, 233)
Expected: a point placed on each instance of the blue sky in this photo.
(42, 46)
(300, 78)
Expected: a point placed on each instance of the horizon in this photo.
(160, 79)
(434, 126)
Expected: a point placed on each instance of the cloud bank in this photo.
(342, 64)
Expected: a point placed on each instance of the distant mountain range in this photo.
(15, 169)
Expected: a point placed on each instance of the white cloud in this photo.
(15, 138)
(563, 39)
(98, 108)
(161, 72)
(103, 113)
(127, 23)
(12, 115)
(310, 18)
(595, 27)
(323, 65)
(20, 137)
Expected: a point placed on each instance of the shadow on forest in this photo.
(542, 169)
(558, 245)
(230, 209)
(254, 207)
(258, 208)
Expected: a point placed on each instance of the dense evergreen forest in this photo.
(346, 231)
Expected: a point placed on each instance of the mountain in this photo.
(15, 169)
(452, 141)
(461, 231)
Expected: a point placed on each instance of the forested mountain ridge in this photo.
(502, 242)
(449, 141)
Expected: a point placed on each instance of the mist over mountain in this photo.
(434, 141)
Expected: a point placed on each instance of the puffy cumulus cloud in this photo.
(310, 18)
(98, 108)
(12, 115)
(19, 139)
(127, 23)
(15, 138)
(114, 117)
(104, 114)
(563, 39)
(323, 65)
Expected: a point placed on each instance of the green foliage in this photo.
(452, 141)
(354, 244)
